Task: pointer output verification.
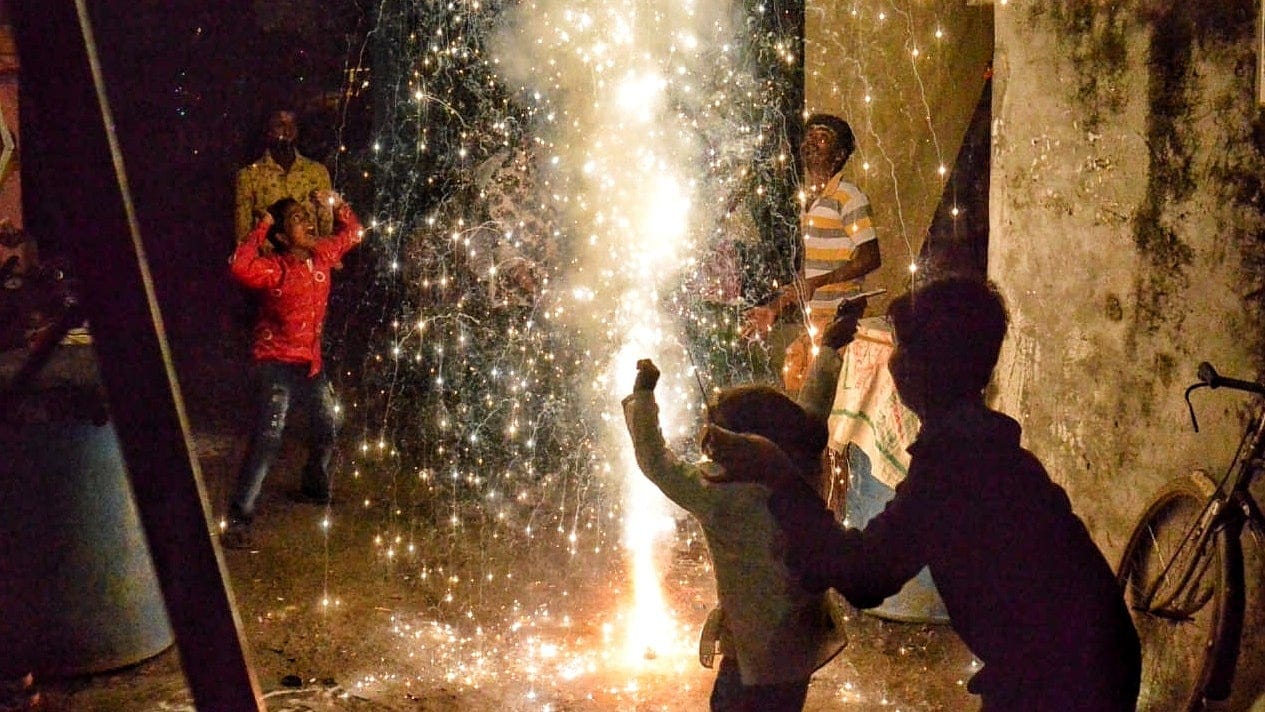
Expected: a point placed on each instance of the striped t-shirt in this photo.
(834, 225)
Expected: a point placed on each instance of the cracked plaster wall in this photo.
(1127, 235)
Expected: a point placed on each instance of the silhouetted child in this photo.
(774, 633)
(1024, 584)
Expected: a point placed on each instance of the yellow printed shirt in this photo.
(833, 226)
(264, 182)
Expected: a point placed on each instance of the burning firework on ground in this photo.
(561, 188)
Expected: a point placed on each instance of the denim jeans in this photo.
(278, 386)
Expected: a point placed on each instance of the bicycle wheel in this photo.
(1179, 623)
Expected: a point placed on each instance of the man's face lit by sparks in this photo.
(820, 150)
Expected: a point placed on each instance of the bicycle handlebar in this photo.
(1209, 378)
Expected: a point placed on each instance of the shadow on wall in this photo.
(957, 241)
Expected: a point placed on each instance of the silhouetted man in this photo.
(1025, 586)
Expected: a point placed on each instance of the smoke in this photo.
(631, 97)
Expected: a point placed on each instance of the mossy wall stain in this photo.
(1123, 277)
(1239, 177)
(1173, 145)
(1094, 37)
(1230, 172)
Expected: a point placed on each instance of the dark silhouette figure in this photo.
(1024, 584)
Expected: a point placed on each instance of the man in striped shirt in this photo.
(840, 246)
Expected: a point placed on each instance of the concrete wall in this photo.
(907, 76)
(1126, 234)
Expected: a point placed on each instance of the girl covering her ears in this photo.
(773, 633)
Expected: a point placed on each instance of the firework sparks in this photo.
(579, 156)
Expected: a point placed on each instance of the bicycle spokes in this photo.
(1171, 576)
(1181, 586)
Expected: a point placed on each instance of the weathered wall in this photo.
(1127, 236)
(907, 76)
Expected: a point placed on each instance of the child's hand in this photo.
(647, 376)
(745, 457)
(263, 218)
(344, 214)
(327, 199)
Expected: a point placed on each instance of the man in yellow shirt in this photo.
(840, 245)
(282, 172)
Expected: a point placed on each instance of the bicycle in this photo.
(1182, 571)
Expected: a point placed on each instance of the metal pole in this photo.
(76, 172)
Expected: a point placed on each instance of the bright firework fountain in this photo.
(623, 80)
(622, 132)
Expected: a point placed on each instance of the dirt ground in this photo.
(339, 617)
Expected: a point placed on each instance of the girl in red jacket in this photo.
(293, 285)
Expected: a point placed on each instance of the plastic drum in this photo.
(78, 593)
